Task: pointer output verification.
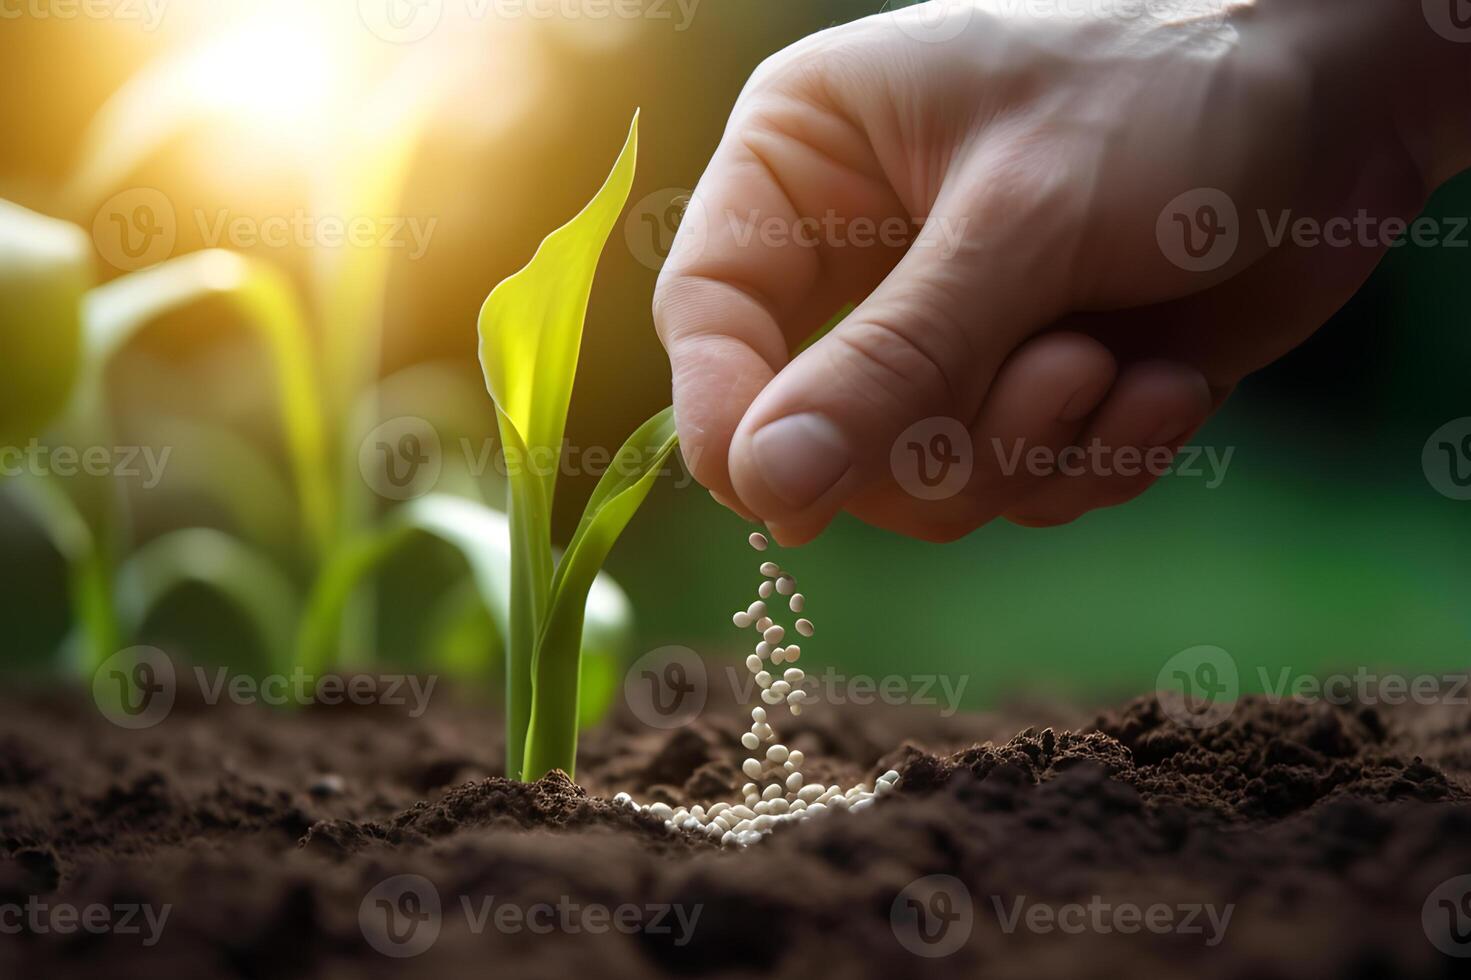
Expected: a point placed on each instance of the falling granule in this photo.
(790, 797)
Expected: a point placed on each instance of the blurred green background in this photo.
(1323, 547)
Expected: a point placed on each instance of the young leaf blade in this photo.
(551, 741)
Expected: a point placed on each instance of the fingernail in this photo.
(801, 457)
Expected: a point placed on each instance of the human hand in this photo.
(1090, 265)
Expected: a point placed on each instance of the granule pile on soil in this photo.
(1289, 840)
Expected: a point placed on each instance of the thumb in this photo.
(926, 343)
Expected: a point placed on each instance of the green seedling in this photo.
(530, 334)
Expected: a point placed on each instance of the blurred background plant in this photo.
(1324, 545)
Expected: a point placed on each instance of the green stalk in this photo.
(529, 510)
(551, 740)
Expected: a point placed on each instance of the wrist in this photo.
(1400, 65)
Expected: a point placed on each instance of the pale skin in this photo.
(1037, 149)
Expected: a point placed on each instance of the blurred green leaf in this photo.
(45, 267)
(118, 311)
(249, 580)
(88, 571)
(222, 467)
(482, 536)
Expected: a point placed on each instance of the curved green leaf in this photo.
(249, 580)
(45, 266)
(551, 740)
(118, 311)
(88, 571)
(482, 536)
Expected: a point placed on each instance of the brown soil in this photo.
(1324, 830)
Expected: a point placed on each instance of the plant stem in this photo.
(529, 509)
